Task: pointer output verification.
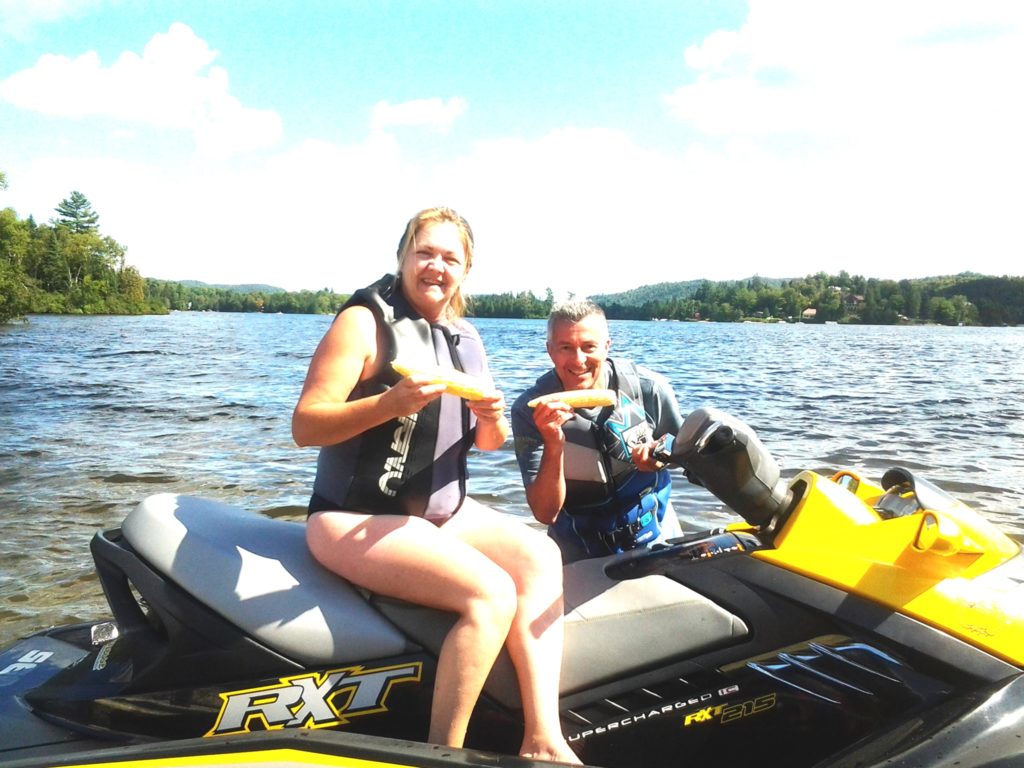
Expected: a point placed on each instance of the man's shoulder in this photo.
(654, 386)
(647, 374)
(642, 372)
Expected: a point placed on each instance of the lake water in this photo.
(98, 412)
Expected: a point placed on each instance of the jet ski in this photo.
(843, 622)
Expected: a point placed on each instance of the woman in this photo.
(389, 510)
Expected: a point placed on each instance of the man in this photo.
(589, 473)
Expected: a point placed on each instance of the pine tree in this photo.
(76, 213)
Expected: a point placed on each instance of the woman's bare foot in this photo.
(557, 750)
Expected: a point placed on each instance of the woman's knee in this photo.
(497, 601)
(549, 553)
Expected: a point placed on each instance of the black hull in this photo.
(822, 679)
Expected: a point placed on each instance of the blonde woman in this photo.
(389, 510)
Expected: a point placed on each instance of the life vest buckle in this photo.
(631, 522)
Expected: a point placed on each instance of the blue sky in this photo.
(594, 146)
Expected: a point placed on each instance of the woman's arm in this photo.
(346, 355)
(491, 424)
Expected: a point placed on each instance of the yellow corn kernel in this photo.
(455, 382)
(578, 398)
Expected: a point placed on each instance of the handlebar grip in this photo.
(663, 448)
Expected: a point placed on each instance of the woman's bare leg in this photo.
(535, 638)
(413, 560)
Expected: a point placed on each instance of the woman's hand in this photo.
(410, 395)
(489, 408)
(346, 356)
(491, 425)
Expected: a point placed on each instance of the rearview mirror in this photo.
(939, 534)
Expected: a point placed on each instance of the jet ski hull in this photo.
(845, 624)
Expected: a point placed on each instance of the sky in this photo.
(593, 146)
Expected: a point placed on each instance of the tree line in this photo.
(965, 299)
(958, 300)
(170, 295)
(67, 266)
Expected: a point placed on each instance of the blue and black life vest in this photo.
(416, 464)
(614, 506)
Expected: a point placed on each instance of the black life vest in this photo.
(611, 505)
(416, 464)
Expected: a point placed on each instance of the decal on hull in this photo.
(647, 714)
(728, 713)
(314, 700)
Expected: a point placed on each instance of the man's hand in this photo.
(549, 418)
(642, 458)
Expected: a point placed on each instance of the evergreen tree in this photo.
(76, 213)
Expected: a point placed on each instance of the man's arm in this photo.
(538, 431)
(546, 494)
(662, 408)
(661, 403)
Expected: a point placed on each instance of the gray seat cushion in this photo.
(258, 573)
(612, 628)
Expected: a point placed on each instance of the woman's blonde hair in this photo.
(457, 307)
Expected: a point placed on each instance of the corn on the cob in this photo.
(578, 398)
(455, 382)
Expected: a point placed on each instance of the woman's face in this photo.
(434, 268)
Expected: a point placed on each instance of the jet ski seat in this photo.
(258, 574)
(612, 628)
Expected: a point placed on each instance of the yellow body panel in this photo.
(934, 566)
(271, 757)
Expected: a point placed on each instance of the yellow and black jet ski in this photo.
(844, 622)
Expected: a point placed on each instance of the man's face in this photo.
(578, 351)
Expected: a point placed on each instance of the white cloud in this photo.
(18, 18)
(576, 210)
(437, 114)
(318, 214)
(839, 70)
(314, 215)
(171, 85)
(882, 140)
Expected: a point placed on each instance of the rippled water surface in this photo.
(96, 413)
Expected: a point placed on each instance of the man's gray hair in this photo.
(572, 311)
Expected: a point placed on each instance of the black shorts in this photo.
(318, 503)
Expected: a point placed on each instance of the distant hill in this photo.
(667, 291)
(245, 288)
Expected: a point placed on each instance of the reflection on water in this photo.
(97, 413)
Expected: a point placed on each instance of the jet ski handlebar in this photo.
(721, 453)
